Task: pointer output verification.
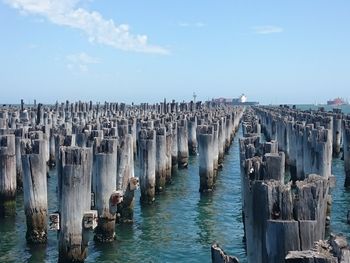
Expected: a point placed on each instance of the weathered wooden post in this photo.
(274, 166)
(337, 134)
(219, 256)
(19, 135)
(182, 142)
(174, 146)
(104, 188)
(147, 146)
(299, 142)
(281, 217)
(133, 132)
(215, 148)
(59, 141)
(125, 156)
(206, 158)
(126, 207)
(169, 145)
(7, 175)
(322, 139)
(161, 161)
(192, 137)
(52, 152)
(35, 189)
(346, 150)
(76, 218)
(228, 132)
(40, 115)
(221, 140)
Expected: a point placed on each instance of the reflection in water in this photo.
(204, 219)
(178, 227)
(341, 200)
(37, 253)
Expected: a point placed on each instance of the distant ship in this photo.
(337, 102)
(243, 100)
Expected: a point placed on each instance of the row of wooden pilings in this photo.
(316, 131)
(283, 215)
(94, 149)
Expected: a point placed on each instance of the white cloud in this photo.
(187, 24)
(83, 58)
(33, 46)
(97, 28)
(199, 24)
(80, 61)
(184, 24)
(268, 29)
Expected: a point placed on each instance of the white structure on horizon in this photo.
(243, 98)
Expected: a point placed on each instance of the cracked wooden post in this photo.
(161, 160)
(133, 132)
(125, 168)
(19, 135)
(126, 207)
(299, 145)
(346, 150)
(219, 256)
(221, 141)
(75, 203)
(169, 142)
(215, 148)
(147, 146)
(182, 142)
(279, 217)
(206, 158)
(59, 141)
(35, 190)
(228, 132)
(274, 166)
(52, 152)
(322, 139)
(337, 134)
(7, 175)
(174, 146)
(105, 180)
(192, 137)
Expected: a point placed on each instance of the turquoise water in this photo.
(344, 108)
(179, 227)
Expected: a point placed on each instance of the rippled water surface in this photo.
(179, 227)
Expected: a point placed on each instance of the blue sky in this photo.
(292, 51)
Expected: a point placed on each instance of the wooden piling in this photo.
(206, 158)
(126, 207)
(182, 142)
(192, 137)
(125, 168)
(168, 149)
(147, 151)
(161, 160)
(19, 135)
(35, 190)
(219, 256)
(174, 146)
(105, 180)
(337, 135)
(221, 140)
(75, 201)
(7, 175)
(346, 151)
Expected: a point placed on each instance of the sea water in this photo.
(179, 227)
